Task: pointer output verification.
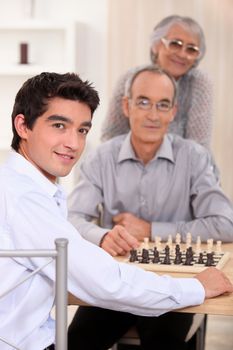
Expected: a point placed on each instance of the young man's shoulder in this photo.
(14, 184)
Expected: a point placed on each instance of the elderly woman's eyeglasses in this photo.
(176, 45)
(145, 104)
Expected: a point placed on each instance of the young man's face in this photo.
(148, 126)
(58, 137)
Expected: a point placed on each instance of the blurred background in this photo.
(101, 39)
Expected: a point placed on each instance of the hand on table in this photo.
(137, 227)
(215, 282)
(119, 241)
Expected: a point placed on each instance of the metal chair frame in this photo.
(60, 255)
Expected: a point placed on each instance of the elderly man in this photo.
(148, 183)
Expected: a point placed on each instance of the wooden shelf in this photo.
(52, 47)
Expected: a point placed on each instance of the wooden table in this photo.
(221, 305)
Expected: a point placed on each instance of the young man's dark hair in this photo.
(33, 97)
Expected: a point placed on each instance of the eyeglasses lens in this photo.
(177, 45)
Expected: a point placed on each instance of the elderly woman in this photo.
(177, 46)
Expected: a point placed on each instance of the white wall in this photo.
(92, 37)
(91, 16)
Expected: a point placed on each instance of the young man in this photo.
(51, 117)
(150, 183)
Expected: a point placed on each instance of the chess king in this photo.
(148, 183)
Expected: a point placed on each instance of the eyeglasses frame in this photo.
(167, 42)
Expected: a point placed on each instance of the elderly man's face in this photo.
(150, 108)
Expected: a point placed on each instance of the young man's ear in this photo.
(125, 106)
(20, 126)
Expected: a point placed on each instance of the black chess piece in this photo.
(133, 255)
(188, 257)
(177, 249)
(190, 253)
(156, 258)
(145, 256)
(167, 260)
(210, 259)
(200, 259)
(178, 257)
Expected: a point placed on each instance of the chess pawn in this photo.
(200, 259)
(218, 247)
(210, 243)
(146, 242)
(169, 242)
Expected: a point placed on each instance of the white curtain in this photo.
(130, 25)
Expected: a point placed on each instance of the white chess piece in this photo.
(188, 240)
(218, 247)
(158, 243)
(178, 238)
(198, 245)
(146, 242)
(210, 243)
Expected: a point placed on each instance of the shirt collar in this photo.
(164, 151)
(22, 166)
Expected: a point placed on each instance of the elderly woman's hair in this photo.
(162, 28)
(148, 68)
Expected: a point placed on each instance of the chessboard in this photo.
(169, 257)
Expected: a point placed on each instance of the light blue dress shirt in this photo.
(32, 215)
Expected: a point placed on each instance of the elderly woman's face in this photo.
(178, 51)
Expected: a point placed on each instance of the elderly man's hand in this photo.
(137, 227)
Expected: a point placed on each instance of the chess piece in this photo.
(178, 238)
(200, 259)
(188, 240)
(156, 258)
(167, 260)
(133, 255)
(210, 259)
(188, 256)
(158, 243)
(169, 242)
(145, 256)
(198, 245)
(178, 255)
(210, 243)
(218, 247)
(146, 242)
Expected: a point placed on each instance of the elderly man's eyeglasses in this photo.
(176, 45)
(145, 104)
